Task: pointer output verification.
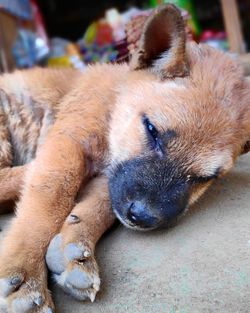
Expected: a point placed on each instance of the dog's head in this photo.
(180, 121)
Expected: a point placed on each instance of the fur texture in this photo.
(160, 143)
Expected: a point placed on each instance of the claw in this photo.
(92, 296)
(86, 254)
(73, 219)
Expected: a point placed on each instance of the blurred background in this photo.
(74, 33)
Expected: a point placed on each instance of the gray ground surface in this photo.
(200, 266)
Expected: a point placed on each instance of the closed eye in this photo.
(195, 179)
(153, 135)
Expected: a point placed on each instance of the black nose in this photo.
(138, 215)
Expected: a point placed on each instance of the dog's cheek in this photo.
(126, 140)
(197, 191)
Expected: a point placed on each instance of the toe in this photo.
(74, 268)
(54, 256)
(48, 310)
(3, 306)
(26, 304)
(8, 285)
(78, 279)
(45, 309)
(80, 295)
(73, 252)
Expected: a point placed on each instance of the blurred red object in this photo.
(103, 34)
(211, 34)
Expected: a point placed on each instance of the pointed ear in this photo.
(161, 46)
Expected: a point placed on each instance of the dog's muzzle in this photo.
(143, 198)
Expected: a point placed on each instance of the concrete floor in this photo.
(200, 266)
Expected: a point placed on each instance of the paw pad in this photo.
(74, 252)
(26, 304)
(78, 279)
(74, 268)
(8, 285)
(54, 258)
(21, 293)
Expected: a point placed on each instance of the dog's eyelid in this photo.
(215, 175)
(153, 135)
(161, 131)
(151, 129)
(201, 179)
(207, 178)
(204, 178)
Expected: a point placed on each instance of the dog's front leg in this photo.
(70, 255)
(47, 198)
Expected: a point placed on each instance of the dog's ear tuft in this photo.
(161, 46)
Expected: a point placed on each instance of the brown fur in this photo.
(72, 127)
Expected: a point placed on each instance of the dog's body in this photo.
(159, 141)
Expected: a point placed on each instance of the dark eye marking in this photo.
(153, 135)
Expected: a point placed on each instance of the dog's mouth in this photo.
(158, 224)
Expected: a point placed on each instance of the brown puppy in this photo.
(160, 132)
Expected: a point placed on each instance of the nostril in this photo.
(136, 213)
(141, 215)
(131, 215)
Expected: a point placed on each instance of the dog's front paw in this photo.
(23, 293)
(74, 267)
